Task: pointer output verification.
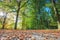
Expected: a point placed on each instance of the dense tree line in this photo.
(30, 14)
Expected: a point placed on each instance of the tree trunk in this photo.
(56, 13)
(4, 21)
(17, 15)
(58, 24)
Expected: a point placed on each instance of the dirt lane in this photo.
(29, 34)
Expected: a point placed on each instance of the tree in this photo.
(8, 7)
(54, 3)
(19, 3)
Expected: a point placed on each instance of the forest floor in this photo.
(29, 34)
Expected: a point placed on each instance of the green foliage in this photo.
(35, 14)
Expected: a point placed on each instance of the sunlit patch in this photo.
(19, 20)
(14, 18)
(1, 14)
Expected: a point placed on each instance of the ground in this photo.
(29, 34)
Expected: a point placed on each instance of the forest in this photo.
(30, 14)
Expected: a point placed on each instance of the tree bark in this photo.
(58, 24)
(56, 13)
(19, 3)
(4, 21)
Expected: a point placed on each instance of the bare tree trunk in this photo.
(17, 15)
(4, 21)
(58, 24)
(56, 13)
